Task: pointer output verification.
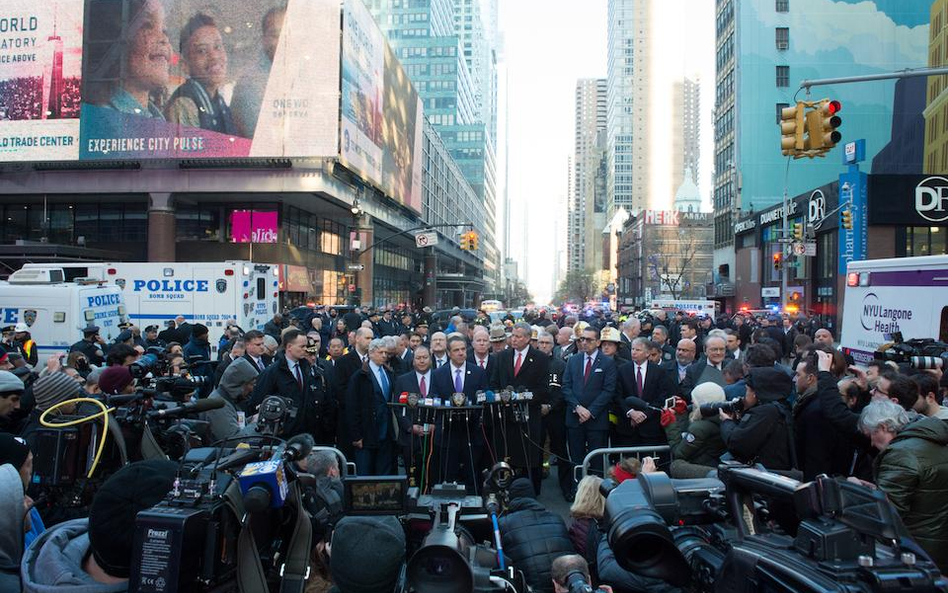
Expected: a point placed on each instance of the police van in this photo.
(56, 310)
(885, 298)
(692, 307)
(209, 293)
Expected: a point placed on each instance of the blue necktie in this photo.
(383, 382)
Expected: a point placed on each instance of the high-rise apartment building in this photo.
(447, 51)
(936, 110)
(628, 104)
(587, 212)
(686, 130)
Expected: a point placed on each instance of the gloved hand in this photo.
(668, 418)
(681, 406)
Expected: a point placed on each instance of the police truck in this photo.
(209, 293)
(56, 310)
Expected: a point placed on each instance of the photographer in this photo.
(762, 435)
(819, 448)
(533, 536)
(236, 385)
(912, 470)
(94, 555)
(695, 441)
(565, 567)
(622, 580)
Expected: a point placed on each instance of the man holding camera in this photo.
(762, 433)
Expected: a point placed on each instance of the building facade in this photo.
(587, 209)
(627, 104)
(686, 131)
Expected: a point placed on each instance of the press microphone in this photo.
(201, 405)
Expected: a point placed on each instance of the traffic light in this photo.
(792, 129)
(464, 242)
(778, 261)
(472, 240)
(798, 231)
(846, 219)
(830, 121)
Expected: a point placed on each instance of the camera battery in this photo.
(169, 544)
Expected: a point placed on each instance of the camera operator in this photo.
(236, 385)
(624, 581)
(91, 345)
(819, 448)
(94, 555)
(366, 555)
(533, 536)
(762, 434)
(565, 568)
(116, 380)
(912, 470)
(695, 441)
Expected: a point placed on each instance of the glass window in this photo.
(782, 5)
(938, 240)
(783, 76)
(782, 37)
(14, 223)
(60, 223)
(198, 223)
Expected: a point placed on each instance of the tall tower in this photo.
(53, 92)
(628, 104)
(588, 215)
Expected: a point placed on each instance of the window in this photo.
(783, 5)
(783, 37)
(780, 108)
(783, 76)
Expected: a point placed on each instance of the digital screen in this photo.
(376, 495)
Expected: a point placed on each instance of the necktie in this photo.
(299, 376)
(383, 382)
(638, 379)
(423, 387)
(457, 381)
(517, 365)
(482, 364)
(589, 364)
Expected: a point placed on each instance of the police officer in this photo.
(25, 344)
(554, 416)
(323, 392)
(151, 338)
(90, 345)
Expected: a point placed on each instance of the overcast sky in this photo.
(548, 45)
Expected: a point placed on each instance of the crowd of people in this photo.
(647, 379)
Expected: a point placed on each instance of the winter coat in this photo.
(762, 435)
(11, 528)
(698, 442)
(913, 473)
(533, 538)
(226, 422)
(820, 449)
(53, 562)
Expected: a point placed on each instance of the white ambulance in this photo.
(905, 295)
(209, 293)
(56, 310)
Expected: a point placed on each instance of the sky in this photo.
(547, 46)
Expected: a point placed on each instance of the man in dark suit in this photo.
(642, 389)
(369, 422)
(346, 367)
(684, 357)
(458, 438)
(254, 351)
(403, 352)
(709, 369)
(525, 369)
(480, 350)
(290, 376)
(387, 324)
(589, 386)
(554, 415)
(410, 431)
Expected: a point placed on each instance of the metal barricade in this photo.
(346, 468)
(580, 471)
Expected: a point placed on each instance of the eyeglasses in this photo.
(877, 391)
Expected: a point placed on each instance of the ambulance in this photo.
(209, 293)
(886, 299)
(56, 311)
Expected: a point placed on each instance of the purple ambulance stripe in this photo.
(909, 278)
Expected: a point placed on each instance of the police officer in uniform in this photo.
(151, 339)
(324, 394)
(90, 345)
(554, 416)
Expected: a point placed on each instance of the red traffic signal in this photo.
(834, 107)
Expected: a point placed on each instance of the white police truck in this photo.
(56, 310)
(209, 293)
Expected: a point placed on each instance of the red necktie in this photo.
(638, 379)
(517, 365)
(481, 363)
(589, 366)
(423, 387)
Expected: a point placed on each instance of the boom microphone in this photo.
(202, 405)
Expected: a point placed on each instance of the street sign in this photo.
(770, 292)
(355, 267)
(426, 239)
(809, 249)
(799, 249)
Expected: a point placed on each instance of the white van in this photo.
(906, 295)
(56, 310)
(203, 292)
(693, 307)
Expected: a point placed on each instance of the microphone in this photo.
(201, 405)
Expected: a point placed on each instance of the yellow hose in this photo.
(104, 413)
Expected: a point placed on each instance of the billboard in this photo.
(381, 118)
(254, 226)
(155, 79)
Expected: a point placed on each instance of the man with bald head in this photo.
(685, 354)
(346, 367)
(823, 336)
(439, 350)
(563, 338)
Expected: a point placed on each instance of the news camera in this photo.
(154, 375)
(460, 548)
(919, 353)
(733, 408)
(233, 521)
(750, 530)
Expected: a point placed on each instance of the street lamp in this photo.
(356, 209)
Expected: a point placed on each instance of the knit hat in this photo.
(114, 379)
(13, 450)
(367, 554)
(522, 488)
(198, 329)
(53, 389)
(135, 487)
(770, 384)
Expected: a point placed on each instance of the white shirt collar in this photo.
(592, 356)
(427, 376)
(375, 368)
(455, 369)
(523, 353)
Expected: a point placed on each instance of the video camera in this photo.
(920, 353)
(733, 407)
(448, 558)
(228, 509)
(840, 537)
(153, 373)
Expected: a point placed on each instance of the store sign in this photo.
(674, 217)
(931, 199)
(770, 292)
(254, 226)
(908, 200)
(745, 225)
(853, 188)
(816, 207)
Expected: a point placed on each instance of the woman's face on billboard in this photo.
(149, 56)
(207, 60)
